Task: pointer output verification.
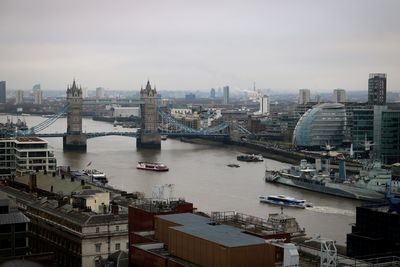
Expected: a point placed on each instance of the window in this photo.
(117, 246)
(117, 228)
(127, 245)
(98, 247)
(97, 229)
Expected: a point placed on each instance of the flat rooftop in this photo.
(202, 227)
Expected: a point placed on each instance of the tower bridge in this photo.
(148, 136)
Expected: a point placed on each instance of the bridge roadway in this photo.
(133, 134)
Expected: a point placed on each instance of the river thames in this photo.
(200, 175)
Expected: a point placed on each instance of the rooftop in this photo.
(203, 228)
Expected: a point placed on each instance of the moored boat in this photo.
(285, 201)
(250, 158)
(96, 175)
(149, 166)
(307, 177)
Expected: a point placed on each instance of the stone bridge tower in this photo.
(74, 138)
(149, 136)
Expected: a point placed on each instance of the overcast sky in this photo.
(188, 45)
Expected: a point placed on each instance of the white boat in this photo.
(283, 200)
(96, 175)
(151, 166)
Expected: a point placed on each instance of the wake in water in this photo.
(331, 210)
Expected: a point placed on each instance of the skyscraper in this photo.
(304, 96)
(19, 97)
(2, 91)
(38, 97)
(339, 96)
(265, 105)
(377, 89)
(226, 95)
(99, 92)
(212, 93)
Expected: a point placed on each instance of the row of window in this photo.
(117, 246)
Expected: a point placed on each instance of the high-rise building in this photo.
(265, 105)
(38, 97)
(339, 96)
(35, 88)
(377, 89)
(226, 95)
(304, 96)
(19, 97)
(2, 91)
(99, 92)
(212, 93)
(84, 92)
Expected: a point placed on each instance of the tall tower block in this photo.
(74, 139)
(149, 136)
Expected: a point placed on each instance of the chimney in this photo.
(114, 208)
(32, 183)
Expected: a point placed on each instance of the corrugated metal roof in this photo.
(13, 218)
(199, 226)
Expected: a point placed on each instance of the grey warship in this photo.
(306, 177)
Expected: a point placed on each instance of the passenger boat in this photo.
(148, 166)
(285, 201)
(250, 158)
(96, 175)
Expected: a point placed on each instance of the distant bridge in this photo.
(134, 134)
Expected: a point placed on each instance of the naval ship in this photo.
(307, 177)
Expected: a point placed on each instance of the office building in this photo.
(78, 238)
(226, 95)
(38, 97)
(13, 230)
(212, 93)
(99, 93)
(375, 233)
(324, 124)
(35, 88)
(377, 89)
(339, 96)
(362, 131)
(190, 96)
(386, 135)
(19, 97)
(265, 105)
(25, 154)
(304, 96)
(3, 92)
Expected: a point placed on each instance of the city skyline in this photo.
(186, 46)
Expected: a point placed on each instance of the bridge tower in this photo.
(74, 139)
(149, 137)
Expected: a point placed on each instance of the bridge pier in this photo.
(74, 142)
(149, 140)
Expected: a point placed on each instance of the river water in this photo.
(200, 175)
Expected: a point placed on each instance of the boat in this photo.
(149, 166)
(306, 177)
(250, 158)
(282, 222)
(233, 165)
(283, 200)
(96, 175)
(164, 137)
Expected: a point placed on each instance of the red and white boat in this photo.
(148, 166)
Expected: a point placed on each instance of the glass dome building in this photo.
(322, 125)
